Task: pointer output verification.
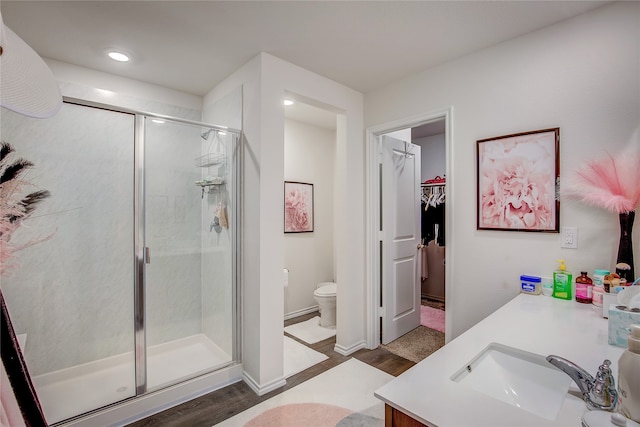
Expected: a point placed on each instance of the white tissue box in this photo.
(619, 323)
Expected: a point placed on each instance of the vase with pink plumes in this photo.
(612, 183)
(625, 248)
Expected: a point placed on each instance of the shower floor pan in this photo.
(73, 391)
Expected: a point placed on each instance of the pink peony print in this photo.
(298, 208)
(517, 183)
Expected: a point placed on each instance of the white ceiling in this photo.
(192, 46)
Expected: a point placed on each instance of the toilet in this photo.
(325, 296)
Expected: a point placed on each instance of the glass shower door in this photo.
(70, 296)
(189, 252)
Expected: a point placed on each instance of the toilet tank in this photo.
(321, 284)
(326, 289)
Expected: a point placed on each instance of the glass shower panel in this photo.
(188, 235)
(70, 297)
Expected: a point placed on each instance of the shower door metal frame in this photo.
(140, 283)
(140, 253)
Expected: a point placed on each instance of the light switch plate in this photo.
(569, 236)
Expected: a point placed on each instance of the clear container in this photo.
(547, 286)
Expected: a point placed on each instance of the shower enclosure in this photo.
(134, 287)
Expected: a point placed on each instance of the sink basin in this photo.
(520, 378)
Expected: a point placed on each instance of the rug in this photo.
(433, 303)
(340, 397)
(310, 331)
(432, 318)
(298, 357)
(417, 344)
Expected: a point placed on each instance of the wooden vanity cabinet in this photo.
(395, 418)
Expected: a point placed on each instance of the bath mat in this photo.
(340, 397)
(417, 344)
(432, 318)
(298, 357)
(310, 331)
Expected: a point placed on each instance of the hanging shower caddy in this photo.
(211, 159)
(215, 160)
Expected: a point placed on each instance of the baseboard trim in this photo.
(301, 312)
(262, 389)
(346, 351)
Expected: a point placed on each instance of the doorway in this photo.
(422, 127)
(309, 253)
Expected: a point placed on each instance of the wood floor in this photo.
(219, 405)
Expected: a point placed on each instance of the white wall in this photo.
(580, 75)
(265, 79)
(309, 153)
(434, 157)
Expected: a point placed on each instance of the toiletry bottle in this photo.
(628, 377)
(562, 282)
(598, 276)
(584, 288)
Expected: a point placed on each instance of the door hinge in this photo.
(381, 311)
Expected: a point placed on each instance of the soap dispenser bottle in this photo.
(562, 282)
(628, 377)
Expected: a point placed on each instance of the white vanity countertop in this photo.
(534, 323)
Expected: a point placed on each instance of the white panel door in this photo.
(401, 236)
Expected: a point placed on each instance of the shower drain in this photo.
(121, 389)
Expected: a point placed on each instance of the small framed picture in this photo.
(517, 182)
(298, 207)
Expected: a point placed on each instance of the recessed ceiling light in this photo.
(287, 102)
(159, 121)
(118, 56)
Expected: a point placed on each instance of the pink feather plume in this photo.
(612, 183)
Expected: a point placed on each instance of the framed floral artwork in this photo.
(517, 182)
(298, 207)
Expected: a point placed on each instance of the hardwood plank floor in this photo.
(219, 405)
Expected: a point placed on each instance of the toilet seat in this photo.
(328, 290)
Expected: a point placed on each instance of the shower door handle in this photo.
(147, 255)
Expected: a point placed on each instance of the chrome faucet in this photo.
(598, 393)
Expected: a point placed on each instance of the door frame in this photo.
(372, 218)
